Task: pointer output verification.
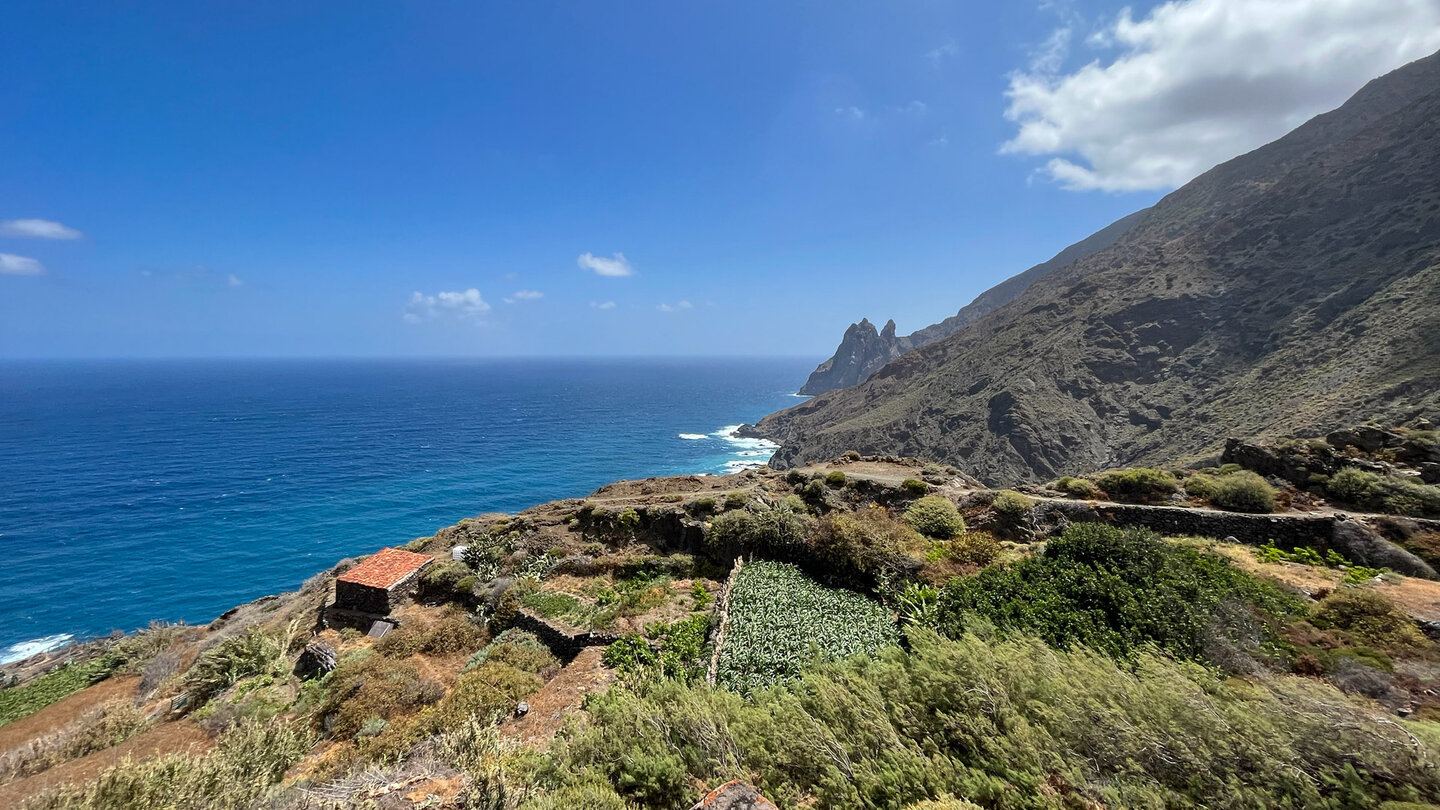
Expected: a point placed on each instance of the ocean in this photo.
(133, 491)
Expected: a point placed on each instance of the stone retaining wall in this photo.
(1350, 537)
(564, 644)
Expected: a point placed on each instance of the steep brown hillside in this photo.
(863, 351)
(1294, 289)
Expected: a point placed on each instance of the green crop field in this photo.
(780, 618)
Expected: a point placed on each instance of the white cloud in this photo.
(525, 295)
(37, 229)
(466, 305)
(616, 266)
(1197, 82)
(234, 280)
(12, 265)
(603, 305)
(852, 113)
(676, 307)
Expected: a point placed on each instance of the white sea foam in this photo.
(25, 649)
(693, 436)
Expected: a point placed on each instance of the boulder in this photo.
(318, 660)
(734, 795)
(1365, 437)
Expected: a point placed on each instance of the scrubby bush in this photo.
(736, 499)
(219, 667)
(235, 775)
(1138, 485)
(701, 506)
(1082, 488)
(1367, 490)
(914, 486)
(1004, 723)
(669, 649)
(935, 516)
(1110, 589)
(835, 478)
(974, 548)
(863, 539)
(763, 528)
(1242, 492)
(1371, 619)
(449, 634)
(1012, 504)
(520, 649)
(371, 687)
(443, 581)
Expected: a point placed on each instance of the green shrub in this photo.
(1138, 485)
(1012, 504)
(1242, 492)
(852, 455)
(835, 479)
(975, 548)
(1371, 619)
(448, 635)
(864, 539)
(759, 529)
(1112, 590)
(221, 666)
(701, 506)
(1367, 490)
(935, 516)
(373, 687)
(1082, 488)
(520, 649)
(914, 487)
(1201, 485)
(235, 775)
(1004, 723)
(736, 499)
(442, 581)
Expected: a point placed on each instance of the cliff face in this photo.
(862, 352)
(1291, 290)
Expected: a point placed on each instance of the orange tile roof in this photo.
(385, 568)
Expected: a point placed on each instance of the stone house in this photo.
(377, 585)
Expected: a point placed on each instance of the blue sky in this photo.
(435, 178)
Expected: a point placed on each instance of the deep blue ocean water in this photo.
(175, 490)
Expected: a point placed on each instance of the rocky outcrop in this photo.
(1288, 292)
(734, 795)
(863, 351)
(318, 660)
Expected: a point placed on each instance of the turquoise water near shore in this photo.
(174, 490)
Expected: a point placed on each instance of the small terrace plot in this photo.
(779, 616)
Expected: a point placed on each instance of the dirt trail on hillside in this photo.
(560, 697)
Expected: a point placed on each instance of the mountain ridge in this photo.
(862, 350)
(1289, 290)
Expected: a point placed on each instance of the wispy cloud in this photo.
(675, 307)
(524, 295)
(464, 305)
(615, 266)
(852, 113)
(234, 280)
(37, 229)
(603, 304)
(12, 265)
(935, 56)
(1197, 82)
